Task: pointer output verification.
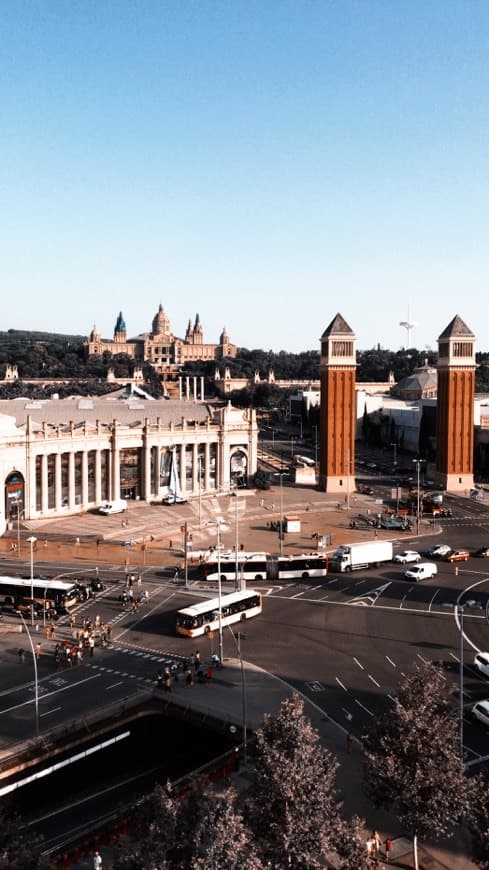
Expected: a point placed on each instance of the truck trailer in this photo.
(350, 557)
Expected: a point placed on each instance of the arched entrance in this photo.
(238, 472)
(14, 495)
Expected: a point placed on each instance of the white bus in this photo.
(204, 617)
(49, 595)
(263, 566)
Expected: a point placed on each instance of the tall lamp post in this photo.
(418, 464)
(238, 637)
(32, 540)
(281, 518)
(460, 612)
(459, 619)
(36, 682)
(394, 446)
(219, 524)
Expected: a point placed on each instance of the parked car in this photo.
(457, 556)
(407, 556)
(482, 553)
(439, 551)
(481, 662)
(480, 711)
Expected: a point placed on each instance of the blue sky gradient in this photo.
(265, 164)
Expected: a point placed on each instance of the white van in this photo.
(118, 506)
(421, 571)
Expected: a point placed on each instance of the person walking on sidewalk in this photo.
(387, 847)
(97, 860)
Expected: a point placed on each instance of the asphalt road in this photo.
(344, 641)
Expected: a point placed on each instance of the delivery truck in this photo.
(371, 554)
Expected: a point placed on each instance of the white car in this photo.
(439, 551)
(481, 712)
(481, 662)
(407, 556)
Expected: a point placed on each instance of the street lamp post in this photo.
(418, 463)
(459, 619)
(460, 610)
(36, 682)
(280, 522)
(219, 593)
(238, 637)
(394, 446)
(32, 540)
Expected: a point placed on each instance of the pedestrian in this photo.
(377, 841)
(159, 680)
(146, 594)
(387, 847)
(168, 682)
(197, 660)
(370, 848)
(79, 656)
(21, 656)
(109, 632)
(170, 545)
(97, 860)
(91, 644)
(188, 678)
(38, 651)
(349, 742)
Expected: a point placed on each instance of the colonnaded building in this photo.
(65, 456)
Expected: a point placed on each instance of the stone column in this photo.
(57, 483)
(44, 485)
(98, 477)
(207, 456)
(71, 480)
(115, 461)
(202, 389)
(195, 467)
(147, 470)
(84, 490)
(182, 467)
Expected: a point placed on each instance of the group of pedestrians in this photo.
(374, 845)
(190, 671)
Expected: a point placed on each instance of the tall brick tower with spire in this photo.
(455, 407)
(338, 408)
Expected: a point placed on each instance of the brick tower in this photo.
(455, 407)
(338, 408)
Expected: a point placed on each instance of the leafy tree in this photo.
(479, 822)
(292, 806)
(412, 765)
(18, 848)
(217, 837)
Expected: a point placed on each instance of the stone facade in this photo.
(62, 457)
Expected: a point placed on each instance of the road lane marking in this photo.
(363, 707)
(391, 662)
(297, 595)
(433, 598)
(391, 699)
(358, 663)
(48, 694)
(425, 661)
(113, 685)
(454, 657)
(341, 684)
(370, 598)
(374, 681)
(48, 712)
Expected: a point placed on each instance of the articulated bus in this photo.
(54, 595)
(204, 617)
(263, 566)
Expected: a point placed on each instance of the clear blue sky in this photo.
(265, 164)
